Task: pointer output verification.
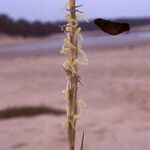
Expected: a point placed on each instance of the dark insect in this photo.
(112, 28)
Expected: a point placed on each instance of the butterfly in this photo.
(112, 28)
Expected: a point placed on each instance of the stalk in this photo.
(72, 48)
(72, 82)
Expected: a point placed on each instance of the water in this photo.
(101, 41)
(119, 40)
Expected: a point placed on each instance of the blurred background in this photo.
(116, 85)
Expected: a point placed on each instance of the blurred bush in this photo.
(24, 28)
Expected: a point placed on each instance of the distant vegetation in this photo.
(25, 28)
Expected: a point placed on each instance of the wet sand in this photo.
(116, 89)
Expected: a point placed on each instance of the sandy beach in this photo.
(116, 89)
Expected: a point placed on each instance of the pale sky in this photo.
(50, 10)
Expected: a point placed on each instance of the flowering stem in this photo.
(72, 48)
(72, 81)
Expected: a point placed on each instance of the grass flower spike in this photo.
(75, 56)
